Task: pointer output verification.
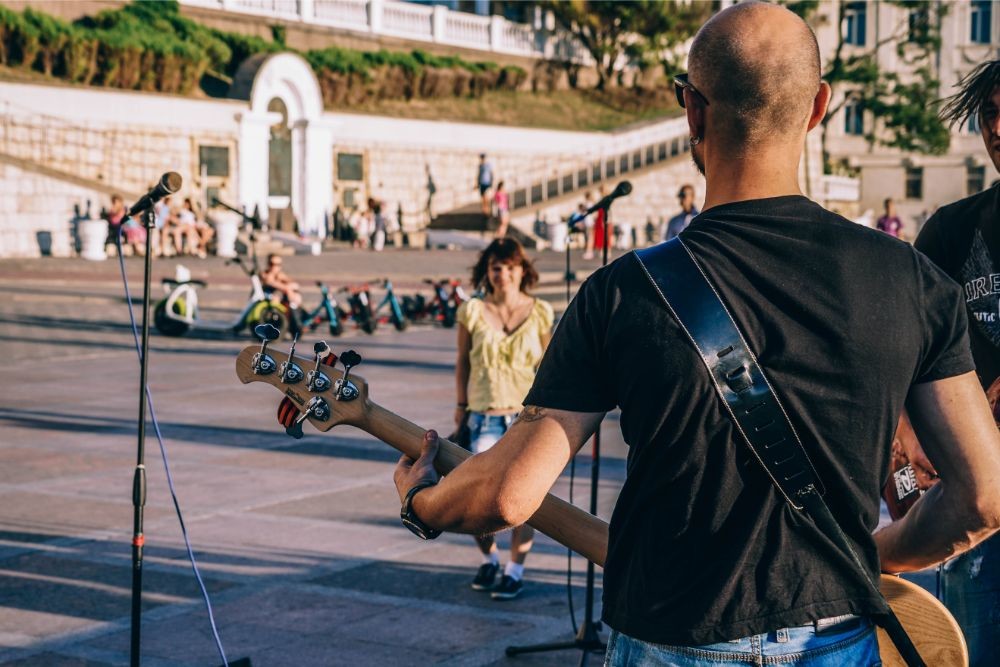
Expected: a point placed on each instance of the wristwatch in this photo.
(411, 520)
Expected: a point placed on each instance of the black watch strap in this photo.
(411, 520)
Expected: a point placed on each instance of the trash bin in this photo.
(226, 230)
(557, 235)
(93, 234)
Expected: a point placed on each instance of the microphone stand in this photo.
(588, 639)
(139, 478)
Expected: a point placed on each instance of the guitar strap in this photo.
(752, 404)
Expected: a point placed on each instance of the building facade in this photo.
(970, 35)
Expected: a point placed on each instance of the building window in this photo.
(855, 18)
(914, 182)
(854, 118)
(975, 179)
(213, 160)
(920, 24)
(350, 167)
(982, 17)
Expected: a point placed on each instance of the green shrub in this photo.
(150, 46)
(9, 19)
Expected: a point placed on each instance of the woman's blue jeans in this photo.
(485, 430)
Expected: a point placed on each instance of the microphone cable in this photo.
(163, 451)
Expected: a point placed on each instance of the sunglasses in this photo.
(680, 83)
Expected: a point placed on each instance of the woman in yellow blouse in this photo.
(501, 339)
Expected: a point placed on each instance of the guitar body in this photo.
(933, 629)
(934, 632)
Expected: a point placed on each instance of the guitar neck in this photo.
(567, 524)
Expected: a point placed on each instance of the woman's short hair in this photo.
(504, 250)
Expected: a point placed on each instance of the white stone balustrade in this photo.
(417, 22)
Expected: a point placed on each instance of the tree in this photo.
(615, 33)
(903, 104)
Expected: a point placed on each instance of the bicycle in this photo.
(395, 313)
(328, 309)
(442, 307)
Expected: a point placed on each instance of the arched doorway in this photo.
(286, 156)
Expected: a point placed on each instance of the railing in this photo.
(516, 37)
(463, 28)
(633, 150)
(264, 7)
(346, 13)
(409, 20)
(417, 22)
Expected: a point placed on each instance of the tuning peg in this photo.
(317, 408)
(317, 380)
(290, 371)
(267, 332)
(263, 364)
(345, 390)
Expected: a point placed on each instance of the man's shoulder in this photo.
(966, 210)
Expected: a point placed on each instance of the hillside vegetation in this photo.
(150, 46)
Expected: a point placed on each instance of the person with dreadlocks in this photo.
(963, 238)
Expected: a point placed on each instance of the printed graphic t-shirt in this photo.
(964, 239)
(702, 547)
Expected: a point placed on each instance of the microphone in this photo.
(169, 183)
(623, 189)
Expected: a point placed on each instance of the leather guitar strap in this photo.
(751, 402)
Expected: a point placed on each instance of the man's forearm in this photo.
(932, 531)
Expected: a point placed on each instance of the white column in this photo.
(375, 10)
(438, 23)
(307, 11)
(313, 195)
(252, 162)
(496, 32)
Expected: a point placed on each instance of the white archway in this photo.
(289, 78)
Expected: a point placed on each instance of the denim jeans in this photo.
(487, 429)
(855, 646)
(970, 588)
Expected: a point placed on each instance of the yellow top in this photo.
(502, 366)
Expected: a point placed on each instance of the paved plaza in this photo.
(298, 541)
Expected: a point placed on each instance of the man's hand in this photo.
(910, 447)
(409, 473)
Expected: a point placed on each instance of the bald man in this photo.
(707, 565)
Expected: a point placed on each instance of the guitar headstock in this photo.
(316, 389)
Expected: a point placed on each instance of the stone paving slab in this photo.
(298, 541)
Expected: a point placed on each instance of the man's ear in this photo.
(695, 109)
(820, 103)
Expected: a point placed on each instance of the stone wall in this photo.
(44, 214)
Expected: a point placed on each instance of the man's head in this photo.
(978, 97)
(686, 197)
(274, 260)
(756, 69)
(890, 207)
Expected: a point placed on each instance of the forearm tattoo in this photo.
(531, 413)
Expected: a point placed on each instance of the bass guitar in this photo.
(326, 397)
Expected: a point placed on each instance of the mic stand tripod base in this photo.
(587, 640)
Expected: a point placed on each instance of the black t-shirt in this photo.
(963, 239)
(843, 319)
